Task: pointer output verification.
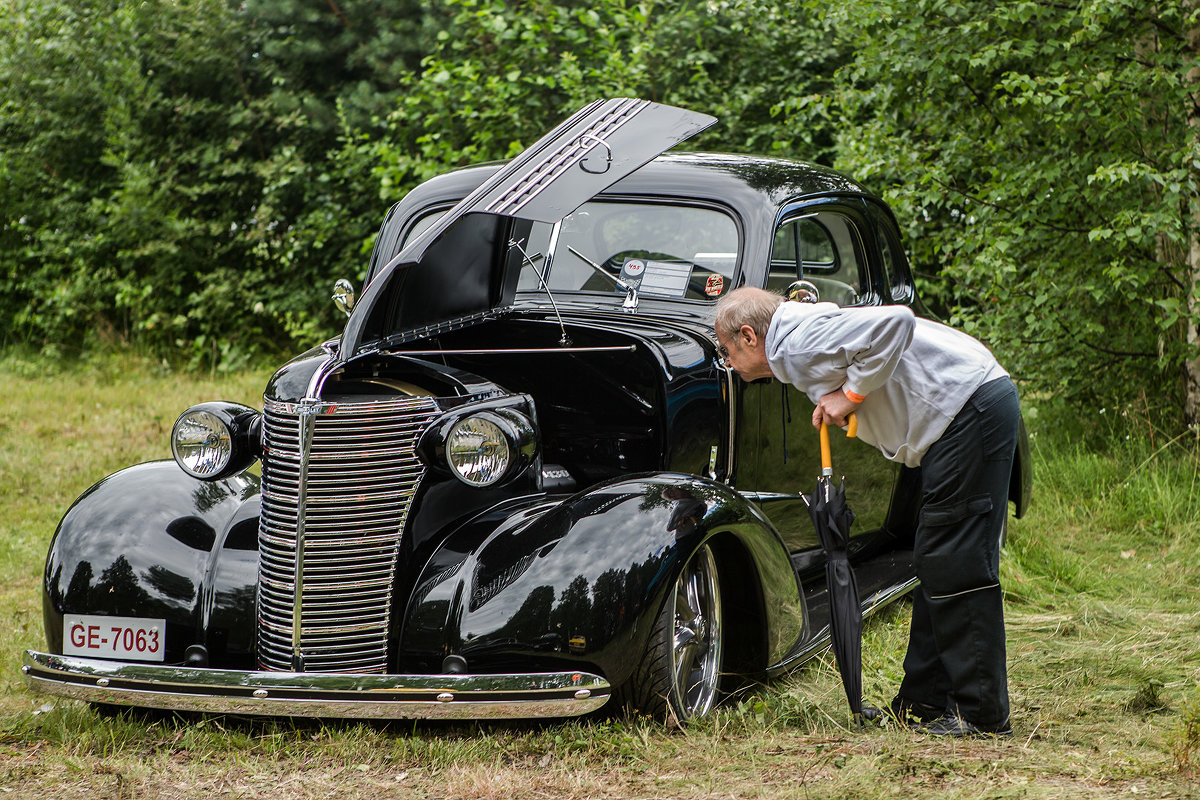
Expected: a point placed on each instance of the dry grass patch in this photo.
(1103, 645)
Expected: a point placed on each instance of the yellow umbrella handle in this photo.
(826, 458)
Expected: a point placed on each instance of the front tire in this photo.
(679, 674)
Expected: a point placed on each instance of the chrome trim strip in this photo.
(621, 348)
(306, 410)
(536, 177)
(317, 382)
(766, 497)
(316, 694)
(306, 421)
(548, 263)
(731, 444)
(434, 328)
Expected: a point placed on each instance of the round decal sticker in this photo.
(714, 285)
(635, 267)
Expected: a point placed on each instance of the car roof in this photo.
(742, 181)
(753, 187)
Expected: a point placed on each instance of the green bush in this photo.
(191, 177)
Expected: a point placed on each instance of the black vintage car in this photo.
(521, 483)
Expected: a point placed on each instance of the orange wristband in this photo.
(853, 396)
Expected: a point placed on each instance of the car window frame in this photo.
(899, 286)
(862, 229)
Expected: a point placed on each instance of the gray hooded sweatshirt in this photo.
(916, 374)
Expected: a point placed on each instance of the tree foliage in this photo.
(172, 172)
(191, 175)
(1043, 157)
(503, 72)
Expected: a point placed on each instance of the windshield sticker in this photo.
(714, 285)
(668, 278)
(632, 272)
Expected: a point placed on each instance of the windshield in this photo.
(661, 250)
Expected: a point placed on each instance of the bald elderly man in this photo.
(926, 396)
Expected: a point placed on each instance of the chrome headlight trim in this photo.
(479, 450)
(211, 441)
(481, 446)
(201, 443)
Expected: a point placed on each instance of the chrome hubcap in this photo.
(697, 641)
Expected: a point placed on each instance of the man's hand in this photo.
(833, 409)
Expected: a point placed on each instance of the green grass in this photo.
(1103, 645)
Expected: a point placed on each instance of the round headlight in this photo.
(201, 443)
(478, 451)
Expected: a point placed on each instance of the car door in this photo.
(833, 246)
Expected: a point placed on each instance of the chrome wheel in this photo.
(696, 645)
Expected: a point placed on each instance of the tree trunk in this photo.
(1192, 364)
(1191, 367)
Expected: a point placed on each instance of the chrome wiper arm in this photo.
(631, 295)
(564, 340)
(620, 283)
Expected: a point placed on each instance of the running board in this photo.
(881, 581)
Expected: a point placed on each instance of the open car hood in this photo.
(456, 270)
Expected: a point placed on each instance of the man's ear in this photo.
(749, 337)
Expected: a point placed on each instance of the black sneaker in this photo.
(951, 724)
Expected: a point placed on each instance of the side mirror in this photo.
(803, 292)
(343, 296)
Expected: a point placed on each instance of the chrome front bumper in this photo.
(316, 694)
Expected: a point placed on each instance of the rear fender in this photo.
(150, 541)
(1020, 487)
(580, 580)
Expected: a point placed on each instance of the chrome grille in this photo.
(362, 473)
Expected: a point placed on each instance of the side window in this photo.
(901, 291)
(822, 247)
(895, 266)
(421, 225)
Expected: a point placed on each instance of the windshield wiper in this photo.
(631, 295)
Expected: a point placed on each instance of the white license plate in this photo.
(127, 638)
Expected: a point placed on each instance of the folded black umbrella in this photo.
(832, 519)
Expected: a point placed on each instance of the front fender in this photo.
(150, 541)
(580, 580)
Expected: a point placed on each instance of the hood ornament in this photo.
(596, 141)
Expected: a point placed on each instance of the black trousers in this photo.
(956, 655)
